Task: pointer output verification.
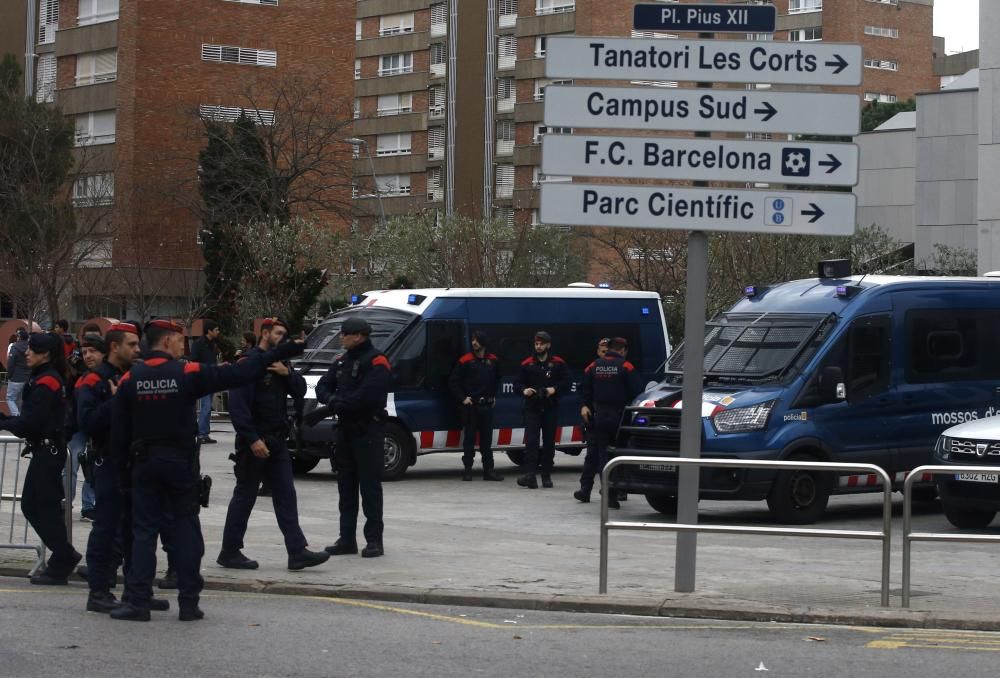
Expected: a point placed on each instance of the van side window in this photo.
(869, 357)
(951, 345)
(409, 364)
(576, 344)
(445, 345)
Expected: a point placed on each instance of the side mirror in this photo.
(831, 385)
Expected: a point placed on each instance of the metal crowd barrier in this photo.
(12, 470)
(909, 536)
(883, 536)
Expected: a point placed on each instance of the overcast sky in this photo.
(958, 22)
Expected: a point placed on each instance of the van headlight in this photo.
(742, 419)
(944, 447)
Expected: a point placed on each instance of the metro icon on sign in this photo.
(777, 210)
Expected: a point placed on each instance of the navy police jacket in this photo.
(357, 384)
(539, 375)
(43, 412)
(610, 383)
(262, 407)
(93, 405)
(475, 377)
(156, 399)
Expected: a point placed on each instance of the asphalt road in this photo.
(45, 632)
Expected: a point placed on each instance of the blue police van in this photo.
(850, 369)
(424, 332)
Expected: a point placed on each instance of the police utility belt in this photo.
(142, 449)
(52, 447)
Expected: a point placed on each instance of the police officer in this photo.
(474, 383)
(356, 388)
(154, 425)
(609, 384)
(42, 424)
(259, 413)
(542, 380)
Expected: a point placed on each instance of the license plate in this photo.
(978, 477)
(659, 468)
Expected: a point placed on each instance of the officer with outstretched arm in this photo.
(154, 424)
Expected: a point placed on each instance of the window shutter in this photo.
(45, 87)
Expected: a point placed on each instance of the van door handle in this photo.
(907, 400)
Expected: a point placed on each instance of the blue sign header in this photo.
(705, 18)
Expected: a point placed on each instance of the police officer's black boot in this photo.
(193, 613)
(467, 473)
(546, 480)
(236, 560)
(528, 480)
(128, 612)
(582, 495)
(342, 547)
(169, 580)
(372, 549)
(102, 601)
(306, 558)
(488, 472)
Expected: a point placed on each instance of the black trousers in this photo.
(250, 473)
(477, 420)
(165, 501)
(600, 435)
(540, 458)
(360, 459)
(41, 504)
(111, 532)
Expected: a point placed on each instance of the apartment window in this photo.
(880, 97)
(439, 19)
(48, 20)
(357, 69)
(232, 113)
(393, 144)
(505, 215)
(508, 13)
(435, 143)
(653, 34)
(505, 137)
(798, 6)
(96, 11)
(538, 178)
(542, 83)
(506, 95)
(95, 128)
(45, 87)
(439, 57)
(394, 104)
(247, 56)
(882, 64)
(394, 184)
(357, 108)
(554, 6)
(94, 189)
(393, 24)
(541, 130)
(882, 32)
(540, 42)
(395, 64)
(96, 67)
(505, 181)
(357, 29)
(434, 191)
(506, 51)
(654, 83)
(437, 102)
(806, 34)
(885, 2)
(271, 3)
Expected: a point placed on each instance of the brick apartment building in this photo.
(137, 76)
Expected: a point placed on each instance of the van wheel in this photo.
(799, 497)
(397, 452)
(303, 465)
(967, 518)
(662, 503)
(516, 457)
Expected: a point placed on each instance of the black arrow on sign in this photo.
(839, 65)
(833, 163)
(768, 111)
(816, 213)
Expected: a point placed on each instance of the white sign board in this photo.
(780, 63)
(782, 162)
(694, 110)
(701, 209)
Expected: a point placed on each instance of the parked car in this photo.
(851, 369)
(970, 499)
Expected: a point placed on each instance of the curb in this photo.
(597, 604)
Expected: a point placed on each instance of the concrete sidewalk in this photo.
(494, 544)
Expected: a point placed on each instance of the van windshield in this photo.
(323, 343)
(754, 348)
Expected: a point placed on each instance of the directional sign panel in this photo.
(702, 110)
(807, 164)
(705, 18)
(784, 63)
(699, 209)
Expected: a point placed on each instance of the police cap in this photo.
(44, 342)
(543, 337)
(355, 325)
